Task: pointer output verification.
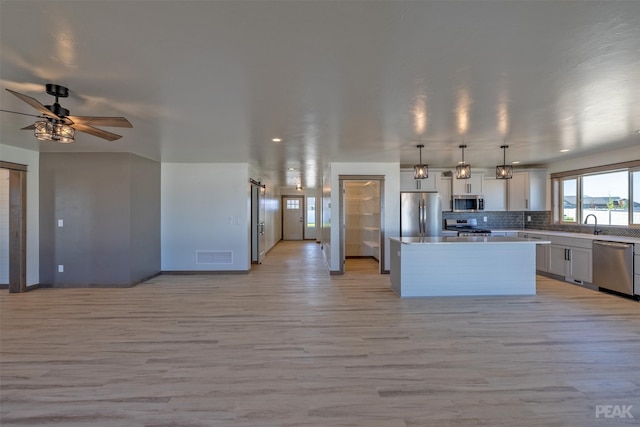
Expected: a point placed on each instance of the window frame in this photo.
(631, 200)
(578, 214)
(557, 180)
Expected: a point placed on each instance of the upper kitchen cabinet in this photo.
(443, 187)
(472, 185)
(495, 194)
(408, 183)
(526, 191)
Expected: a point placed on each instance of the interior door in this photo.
(258, 244)
(292, 218)
(261, 221)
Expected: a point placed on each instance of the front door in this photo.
(292, 218)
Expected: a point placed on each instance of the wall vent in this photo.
(214, 257)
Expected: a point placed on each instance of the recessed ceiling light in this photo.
(276, 139)
(638, 131)
(516, 162)
(565, 150)
(292, 169)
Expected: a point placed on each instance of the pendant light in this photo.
(463, 170)
(50, 130)
(505, 171)
(420, 171)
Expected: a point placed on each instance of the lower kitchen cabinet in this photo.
(542, 251)
(570, 262)
(542, 258)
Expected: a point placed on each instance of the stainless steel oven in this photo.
(467, 203)
(466, 227)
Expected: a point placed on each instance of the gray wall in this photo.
(101, 197)
(145, 218)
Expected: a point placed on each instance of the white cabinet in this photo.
(443, 187)
(500, 233)
(472, 185)
(571, 262)
(542, 251)
(437, 181)
(526, 191)
(495, 194)
(408, 183)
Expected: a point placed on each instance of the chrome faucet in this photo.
(595, 226)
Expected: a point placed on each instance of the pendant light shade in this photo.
(463, 170)
(504, 171)
(420, 171)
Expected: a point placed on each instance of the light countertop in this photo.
(464, 239)
(605, 237)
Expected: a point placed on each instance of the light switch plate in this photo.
(60, 223)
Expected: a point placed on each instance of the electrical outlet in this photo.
(60, 223)
(528, 218)
(60, 268)
(484, 219)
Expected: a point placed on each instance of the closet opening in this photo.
(362, 233)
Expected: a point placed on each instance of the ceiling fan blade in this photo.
(30, 127)
(96, 132)
(34, 103)
(119, 122)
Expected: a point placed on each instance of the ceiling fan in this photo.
(59, 126)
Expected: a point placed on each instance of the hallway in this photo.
(288, 344)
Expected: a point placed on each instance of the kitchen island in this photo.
(456, 266)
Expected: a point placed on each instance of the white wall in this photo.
(273, 220)
(204, 207)
(598, 159)
(391, 172)
(325, 215)
(32, 160)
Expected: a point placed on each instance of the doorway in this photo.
(14, 208)
(361, 222)
(292, 218)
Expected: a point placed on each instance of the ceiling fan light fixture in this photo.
(57, 132)
(420, 171)
(504, 171)
(463, 170)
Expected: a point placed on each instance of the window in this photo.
(605, 196)
(609, 193)
(311, 212)
(293, 204)
(569, 199)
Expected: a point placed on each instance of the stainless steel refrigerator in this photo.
(420, 214)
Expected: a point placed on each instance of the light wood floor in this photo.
(288, 345)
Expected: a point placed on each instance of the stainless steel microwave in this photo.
(467, 203)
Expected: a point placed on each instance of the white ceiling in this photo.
(215, 81)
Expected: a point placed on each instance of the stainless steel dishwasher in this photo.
(613, 266)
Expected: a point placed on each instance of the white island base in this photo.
(457, 266)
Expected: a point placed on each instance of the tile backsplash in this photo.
(495, 219)
(540, 220)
